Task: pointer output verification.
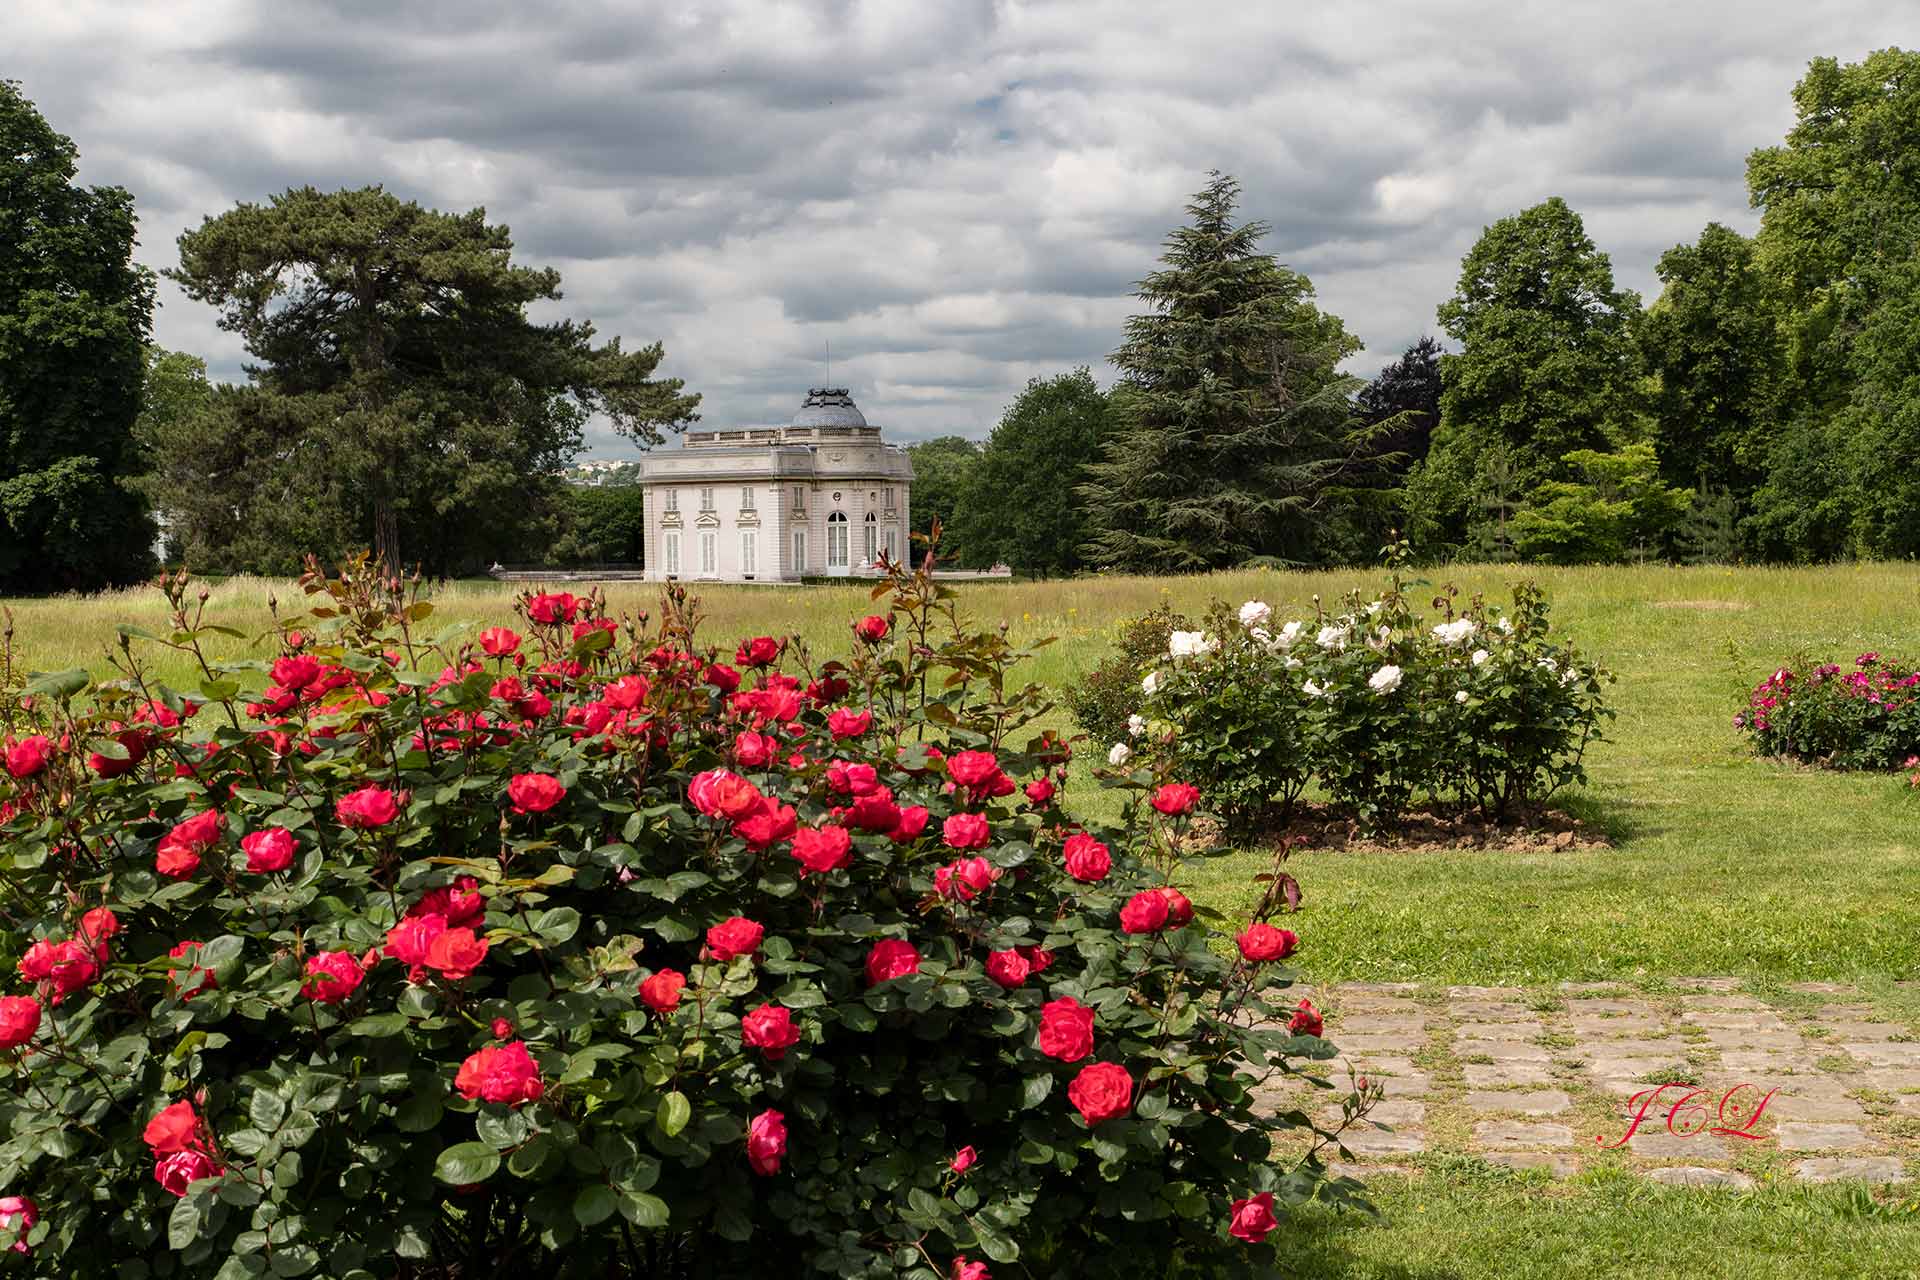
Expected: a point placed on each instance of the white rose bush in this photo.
(1483, 709)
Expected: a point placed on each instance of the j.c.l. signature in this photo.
(1739, 1110)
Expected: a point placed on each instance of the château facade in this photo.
(824, 496)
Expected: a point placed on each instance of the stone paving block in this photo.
(1590, 986)
(1693, 1176)
(1558, 1165)
(1379, 988)
(1508, 1134)
(1397, 1046)
(1733, 1020)
(1486, 993)
(1530, 1102)
(1411, 1084)
(1617, 1028)
(1877, 1169)
(1844, 1013)
(1890, 1079)
(1743, 1040)
(1499, 1031)
(1821, 988)
(1382, 1142)
(1656, 1047)
(1864, 1032)
(1636, 1068)
(1469, 1011)
(1772, 1065)
(1503, 1075)
(1379, 1024)
(1885, 1055)
(1393, 1113)
(1658, 1144)
(1371, 1064)
(1361, 1172)
(1506, 1050)
(1826, 1110)
(1593, 1008)
(1800, 1135)
(1718, 986)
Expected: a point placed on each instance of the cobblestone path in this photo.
(1544, 1079)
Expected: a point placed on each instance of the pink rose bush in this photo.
(1862, 714)
(584, 939)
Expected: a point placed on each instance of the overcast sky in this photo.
(957, 194)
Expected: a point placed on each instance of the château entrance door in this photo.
(837, 559)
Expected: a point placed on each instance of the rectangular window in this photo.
(868, 546)
(889, 494)
(706, 499)
(673, 499)
(746, 499)
(709, 554)
(670, 551)
(799, 551)
(799, 498)
(747, 558)
(893, 548)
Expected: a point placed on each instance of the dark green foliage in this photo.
(1103, 698)
(1710, 533)
(1021, 501)
(941, 467)
(75, 312)
(1399, 409)
(403, 398)
(601, 524)
(171, 428)
(1618, 507)
(1232, 427)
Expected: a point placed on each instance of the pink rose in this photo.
(766, 1142)
(1253, 1218)
(966, 831)
(269, 850)
(891, 958)
(963, 1159)
(182, 1169)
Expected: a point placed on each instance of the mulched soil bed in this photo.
(1318, 826)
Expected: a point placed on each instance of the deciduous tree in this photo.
(1022, 505)
(941, 467)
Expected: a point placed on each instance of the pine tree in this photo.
(1232, 428)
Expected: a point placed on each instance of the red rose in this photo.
(721, 793)
(1253, 1218)
(65, 967)
(551, 608)
(1038, 958)
(770, 1029)
(823, 849)
(332, 976)
(849, 724)
(501, 1028)
(661, 992)
(972, 768)
(581, 630)
(965, 1270)
(182, 1169)
(966, 831)
(28, 756)
(18, 1214)
(627, 693)
(97, 929)
(296, 672)
(1040, 790)
(179, 853)
(409, 941)
(1145, 912)
(721, 676)
(963, 1159)
(534, 792)
(134, 741)
(1306, 1020)
(827, 690)
(1176, 798)
(370, 806)
(851, 779)
(269, 850)
(1066, 1029)
(1008, 968)
(965, 879)
(456, 953)
(19, 1019)
(1262, 942)
(1087, 859)
(872, 628)
(1102, 1091)
(175, 861)
(768, 824)
(199, 978)
(752, 750)
(734, 936)
(891, 958)
(176, 1128)
(761, 651)
(1179, 907)
(498, 642)
(459, 903)
(766, 1142)
(874, 811)
(507, 1074)
(912, 822)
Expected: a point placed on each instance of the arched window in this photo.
(870, 543)
(837, 540)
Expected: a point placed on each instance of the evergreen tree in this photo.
(1022, 504)
(942, 468)
(75, 312)
(1232, 427)
(403, 399)
(1403, 401)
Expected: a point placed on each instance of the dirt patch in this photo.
(1729, 606)
(1315, 826)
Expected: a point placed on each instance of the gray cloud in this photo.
(959, 195)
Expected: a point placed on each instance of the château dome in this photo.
(829, 407)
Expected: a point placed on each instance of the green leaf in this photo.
(377, 1025)
(294, 1260)
(595, 1204)
(183, 1224)
(1034, 1090)
(266, 1110)
(675, 1111)
(467, 1163)
(526, 1162)
(418, 1113)
(644, 1210)
(558, 924)
(62, 685)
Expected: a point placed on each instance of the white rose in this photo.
(1505, 626)
(1254, 613)
(1373, 608)
(1460, 696)
(1452, 633)
(1311, 689)
(1290, 633)
(1188, 644)
(1480, 657)
(1293, 664)
(1334, 638)
(1548, 664)
(1151, 685)
(1385, 680)
(1120, 754)
(1261, 636)
(1136, 725)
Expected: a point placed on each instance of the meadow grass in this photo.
(1720, 863)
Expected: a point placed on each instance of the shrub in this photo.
(1482, 708)
(561, 949)
(1863, 717)
(1104, 699)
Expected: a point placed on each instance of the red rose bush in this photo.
(568, 945)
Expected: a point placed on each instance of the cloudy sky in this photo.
(956, 194)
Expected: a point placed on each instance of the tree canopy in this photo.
(1022, 506)
(941, 467)
(402, 397)
(75, 312)
(1232, 427)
